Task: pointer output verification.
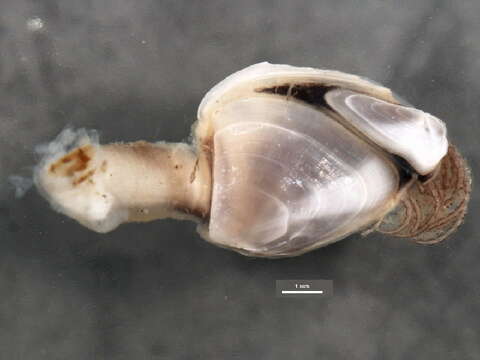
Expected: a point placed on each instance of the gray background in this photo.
(137, 70)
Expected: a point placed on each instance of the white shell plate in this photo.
(287, 178)
(414, 135)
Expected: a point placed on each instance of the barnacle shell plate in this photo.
(416, 136)
(286, 177)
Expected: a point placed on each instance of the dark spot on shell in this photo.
(405, 170)
(311, 93)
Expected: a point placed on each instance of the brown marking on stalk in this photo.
(75, 161)
(197, 211)
(194, 171)
(82, 178)
(103, 167)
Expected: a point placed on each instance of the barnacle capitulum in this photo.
(284, 160)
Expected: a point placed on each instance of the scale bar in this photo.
(302, 292)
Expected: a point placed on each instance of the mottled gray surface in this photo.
(137, 70)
